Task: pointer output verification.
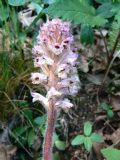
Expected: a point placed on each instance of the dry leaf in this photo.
(97, 149)
(115, 137)
(115, 102)
(25, 17)
(7, 151)
(84, 65)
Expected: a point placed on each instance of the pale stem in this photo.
(51, 118)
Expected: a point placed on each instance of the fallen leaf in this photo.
(115, 102)
(7, 151)
(97, 147)
(25, 17)
(95, 79)
(84, 65)
(115, 137)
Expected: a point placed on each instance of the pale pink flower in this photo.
(71, 58)
(38, 78)
(53, 93)
(40, 98)
(65, 103)
(63, 83)
(37, 50)
(43, 60)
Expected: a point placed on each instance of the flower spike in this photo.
(55, 59)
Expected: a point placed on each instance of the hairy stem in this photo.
(51, 118)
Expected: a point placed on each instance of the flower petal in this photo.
(53, 93)
(38, 78)
(38, 97)
(64, 103)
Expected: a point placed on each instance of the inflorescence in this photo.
(56, 60)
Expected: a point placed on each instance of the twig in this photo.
(17, 139)
(105, 44)
(111, 59)
(110, 62)
(115, 45)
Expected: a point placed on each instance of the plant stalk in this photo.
(111, 58)
(51, 118)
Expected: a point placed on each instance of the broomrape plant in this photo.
(56, 60)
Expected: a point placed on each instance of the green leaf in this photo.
(104, 106)
(75, 11)
(102, 1)
(56, 156)
(42, 131)
(49, 1)
(40, 120)
(88, 143)
(78, 140)
(116, 7)
(86, 1)
(96, 137)
(28, 114)
(38, 1)
(35, 6)
(4, 13)
(110, 113)
(39, 158)
(108, 109)
(115, 1)
(55, 137)
(105, 10)
(117, 18)
(20, 130)
(87, 128)
(60, 145)
(22, 103)
(113, 35)
(86, 34)
(31, 137)
(111, 153)
(17, 2)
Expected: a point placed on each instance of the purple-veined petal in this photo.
(38, 78)
(38, 61)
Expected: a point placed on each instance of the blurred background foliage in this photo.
(19, 25)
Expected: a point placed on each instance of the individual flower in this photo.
(37, 50)
(65, 103)
(63, 71)
(43, 60)
(40, 98)
(71, 58)
(53, 93)
(63, 83)
(38, 78)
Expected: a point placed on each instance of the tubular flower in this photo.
(54, 55)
